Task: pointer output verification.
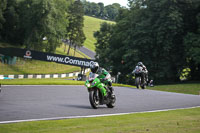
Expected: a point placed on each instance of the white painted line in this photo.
(90, 116)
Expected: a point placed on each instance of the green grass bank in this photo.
(92, 25)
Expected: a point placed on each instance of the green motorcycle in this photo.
(95, 95)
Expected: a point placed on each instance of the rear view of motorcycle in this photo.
(96, 98)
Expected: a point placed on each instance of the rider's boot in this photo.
(110, 88)
(105, 97)
(112, 91)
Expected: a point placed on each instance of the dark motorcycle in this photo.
(140, 80)
(96, 97)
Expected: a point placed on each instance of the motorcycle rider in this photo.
(104, 77)
(144, 75)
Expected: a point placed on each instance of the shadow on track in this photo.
(77, 106)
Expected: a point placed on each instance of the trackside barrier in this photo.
(84, 63)
(40, 76)
(49, 57)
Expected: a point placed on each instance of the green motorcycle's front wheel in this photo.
(94, 99)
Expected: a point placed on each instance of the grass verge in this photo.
(176, 121)
(186, 88)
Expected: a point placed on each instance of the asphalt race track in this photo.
(37, 102)
(87, 52)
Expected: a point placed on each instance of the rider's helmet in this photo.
(140, 64)
(94, 67)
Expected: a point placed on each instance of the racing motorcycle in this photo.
(96, 98)
(138, 78)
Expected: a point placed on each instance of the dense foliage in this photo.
(164, 35)
(3, 4)
(39, 24)
(75, 33)
(98, 10)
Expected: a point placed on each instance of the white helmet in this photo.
(95, 67)
(140, 64)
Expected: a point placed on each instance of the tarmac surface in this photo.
(87, 52)
(38, 102)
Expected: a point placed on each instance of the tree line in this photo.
(164, 35)
(41, 24)
(98, 10)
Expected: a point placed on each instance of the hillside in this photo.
(91, 25)
(40, 67)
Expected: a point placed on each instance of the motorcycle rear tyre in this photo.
(112, 103)
(143, 87)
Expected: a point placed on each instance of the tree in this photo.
(11, 29)
(95, 9)
(3, 4)
(102, 11)
(75, 32)
(167, 26)
(151, 32)
(192, 42)
(192, 38)
(99, 10)
(86, 6)
(112, 11)
(43, 19)
(102, 45)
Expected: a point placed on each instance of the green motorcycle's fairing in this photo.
(96, 83)
(102, 76)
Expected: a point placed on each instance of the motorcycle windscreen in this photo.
(92, 76)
